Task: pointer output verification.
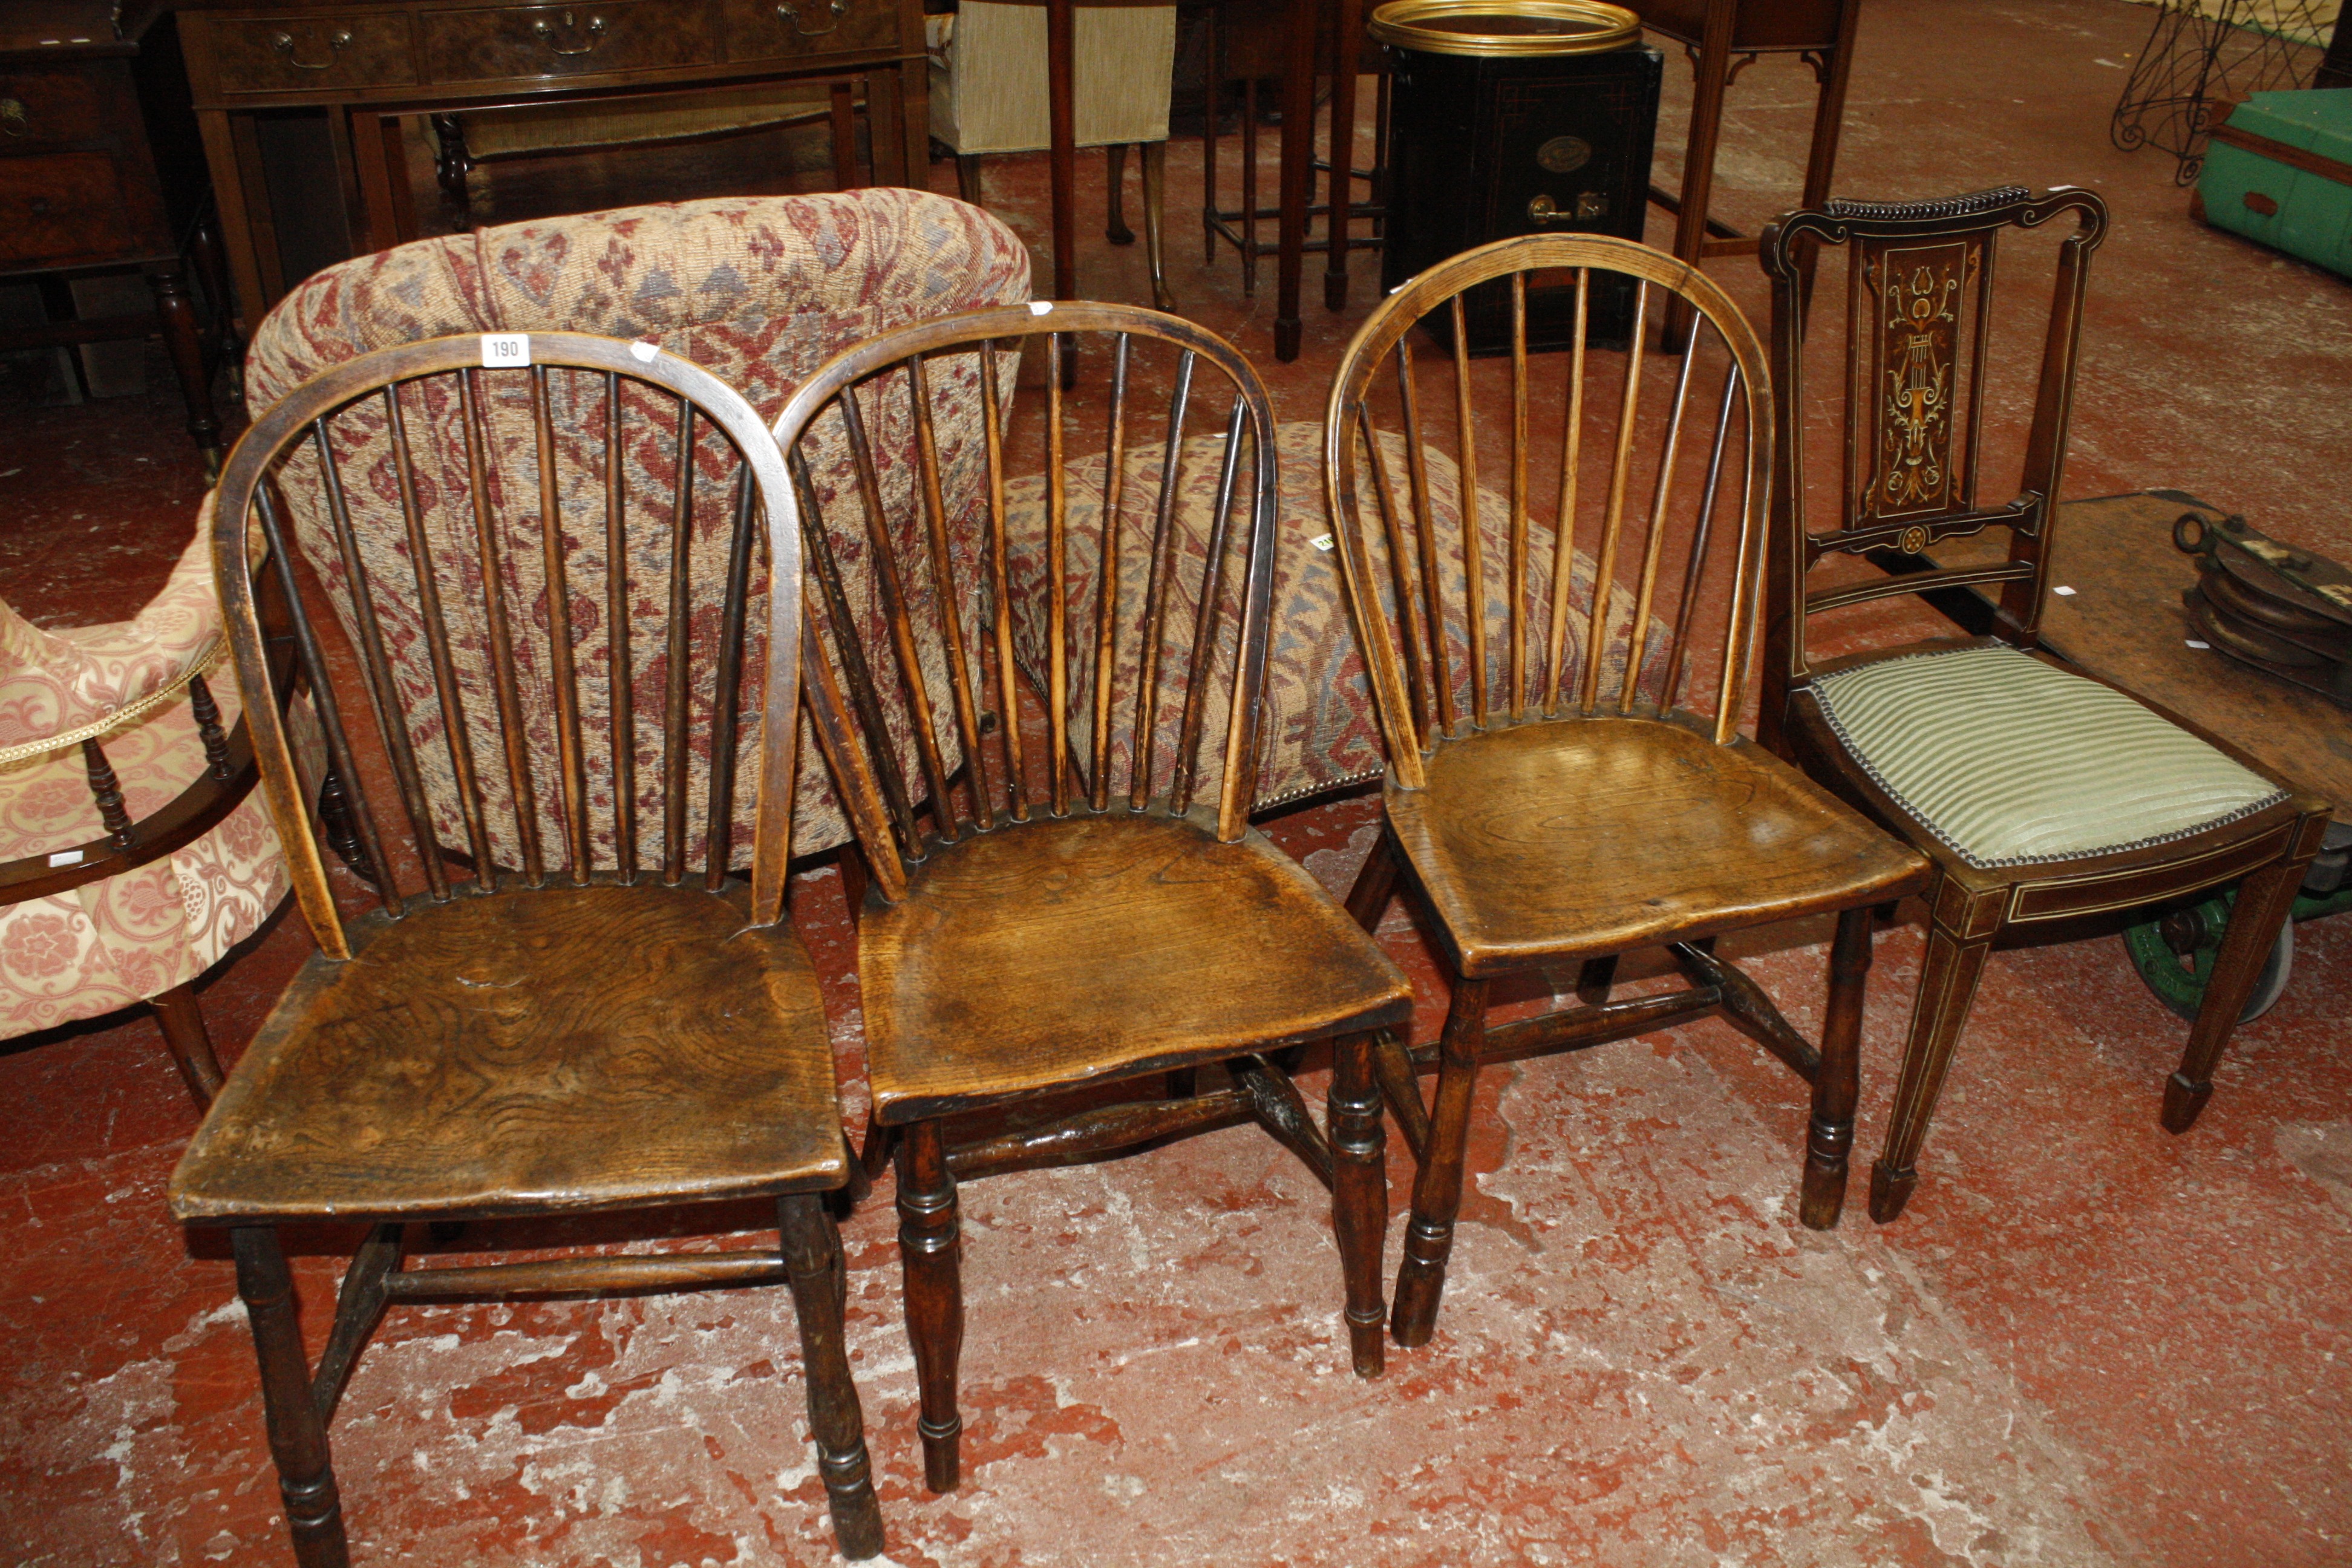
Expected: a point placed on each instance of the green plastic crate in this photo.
(2279, 170)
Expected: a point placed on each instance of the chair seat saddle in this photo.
(558, 1048)
(1524, 842)
(2007, 760)
(1145, 945)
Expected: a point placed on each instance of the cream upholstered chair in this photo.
(990, 94)
(134, 852)
(757, 291)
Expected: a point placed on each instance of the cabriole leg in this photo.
(1947, 984)
(812, 1261)
(1359, 1195)
(297, 1438)
(1437, 1185)
(928, 1251)
(1829, 1138)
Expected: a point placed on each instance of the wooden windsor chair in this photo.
(2043, 795)
(1558, 793)
(553, 1020)
(1085, 904)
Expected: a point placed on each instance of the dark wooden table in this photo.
(371, 63)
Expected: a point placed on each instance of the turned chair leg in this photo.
(1437, 1184)
(191, 1043)
(1947, 984)
(1115, 228)
(1359, 1195)
(2265, 901)
(928, 1250)
(1155, 201)
(813, 1262)
(1829, 1137)
(298, 1433)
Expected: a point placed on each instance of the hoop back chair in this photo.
(2041, 794)
(1087, 904)
(1566, 782)
(536, 1028)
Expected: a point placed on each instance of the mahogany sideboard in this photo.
(372, 64)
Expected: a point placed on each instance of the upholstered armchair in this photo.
(757, 291)
(134, 852)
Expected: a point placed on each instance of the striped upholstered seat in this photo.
(2008, 761)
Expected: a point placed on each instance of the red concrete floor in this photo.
(2087, 1343)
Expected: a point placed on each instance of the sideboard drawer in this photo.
(311, 52)
(775, 30)
(61, 209)
(582, 39)
(38, 106)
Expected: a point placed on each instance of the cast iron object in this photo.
(2283, 610)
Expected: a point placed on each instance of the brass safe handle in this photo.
(337, 41)
(12, 117)
(1589, 206)
(595, 31)
(786, 13)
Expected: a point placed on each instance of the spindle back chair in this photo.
(1087, 903)
(522, 1026)
(2042, 795)
(1567, 781)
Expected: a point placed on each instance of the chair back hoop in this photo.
(1920, 316)
(353, 425)
(1406, 626)
(1074, 661)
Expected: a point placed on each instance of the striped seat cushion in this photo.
(2007, 761)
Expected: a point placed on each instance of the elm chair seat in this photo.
(2008, 761)
(468, 1066)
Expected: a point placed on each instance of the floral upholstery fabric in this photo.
(106, 944)
(1321, 730)
(758, 291)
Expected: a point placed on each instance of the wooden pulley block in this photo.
(2283, 610)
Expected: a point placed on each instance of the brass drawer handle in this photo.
(1590, 204)
(337, 41)
(595, 31)
(12, 117)
(786, 13)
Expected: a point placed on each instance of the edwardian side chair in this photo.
(2043, 794)
(136, 854)
(1566, 782)
(1083, 903)
(563, 1004)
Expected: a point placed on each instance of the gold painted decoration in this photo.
(1920, 294)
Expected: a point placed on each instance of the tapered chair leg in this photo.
(2265, 901)
(1829, 1137)
(1712, 76)
(967, 180)
(813, 1262)
(1359, 1195)
(191, 1043)
(298, 1433)
(1947, 984)
(1155, 201)
(1376, 881)
(1437, 1184)
(928, 1249)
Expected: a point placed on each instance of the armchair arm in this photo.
(60, 686)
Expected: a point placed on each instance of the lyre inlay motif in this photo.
(1919, 292)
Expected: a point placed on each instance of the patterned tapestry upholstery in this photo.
(1321, 730)
(107, 944)
(2007, 761)
(759, 290)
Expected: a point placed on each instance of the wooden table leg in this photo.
(235, 223)
(1346, 51)
(1061, 67)
(186, 346)
(1297, 159)
(1831, 65)
(1714, 74)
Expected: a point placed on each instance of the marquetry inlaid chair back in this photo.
(1567, 780)
(1916, 362)
(1150, 700)
(607, 536)
(1676, 504)
(2043, 794)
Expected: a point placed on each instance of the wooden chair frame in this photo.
(915, 830)
(300, 1401)
(1408, 655)
(1971, 908)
